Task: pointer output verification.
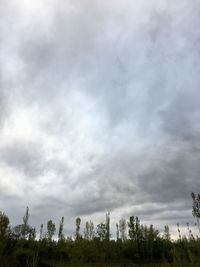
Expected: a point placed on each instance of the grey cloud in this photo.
(179, 119)
(175, 179)
(31, 158)
(24, 155)
(116, 91)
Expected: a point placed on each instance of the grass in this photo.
(180, 264)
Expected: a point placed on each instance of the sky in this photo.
(99, 110)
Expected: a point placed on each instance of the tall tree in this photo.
(89, 231)
(101, 231)
(60, 231)
(51, 228)
(25, 226)
(117, 231)
(78, 223)
(4, 224)
(152, 237)
(86, 231)
(167, 233)
(41, 231)
(196, 207)
(122, 229)
(134, 228)
(4, 232)
(26, 216)
(108, 226)
(24, 230)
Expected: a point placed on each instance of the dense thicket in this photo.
(21, 246)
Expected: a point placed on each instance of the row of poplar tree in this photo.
(21, 246)
(101, 232)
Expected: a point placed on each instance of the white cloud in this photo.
(99, 106)
(12, 181)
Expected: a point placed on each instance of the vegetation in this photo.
(21, 247)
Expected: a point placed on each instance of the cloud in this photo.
(99, 109)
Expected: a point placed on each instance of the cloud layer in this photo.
(99, 109)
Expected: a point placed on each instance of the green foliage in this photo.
(196, 207)
(89, 232)
(51, 228)
(4, 225)
(41, 231)
(101, 231)
(60, 231)
(143, 245)
(117, 231)
(107, 226)
(122, 229)
(24, 230)
(78, 223)
(4, 234)
(166, 233)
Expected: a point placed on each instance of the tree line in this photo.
(22, 246)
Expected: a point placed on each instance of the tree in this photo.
(4, 225)
(4, 234)
(61, 236)
(122, 229)
(51, 228)
(101, 231)
(26, 216)
(179, 231)
(166, 233)
(136, 234)
(196, 207)
(41, 231)
(152, 236)
(134, 228)
(78, 223)
(89, 231)
(117, 231)
(108, 226)
(24, 230)
(86, 231)
(25, 226)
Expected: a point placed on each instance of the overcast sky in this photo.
(99, 109)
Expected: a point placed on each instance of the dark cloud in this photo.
(99, 109)
(179, 120)
(25, 156)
